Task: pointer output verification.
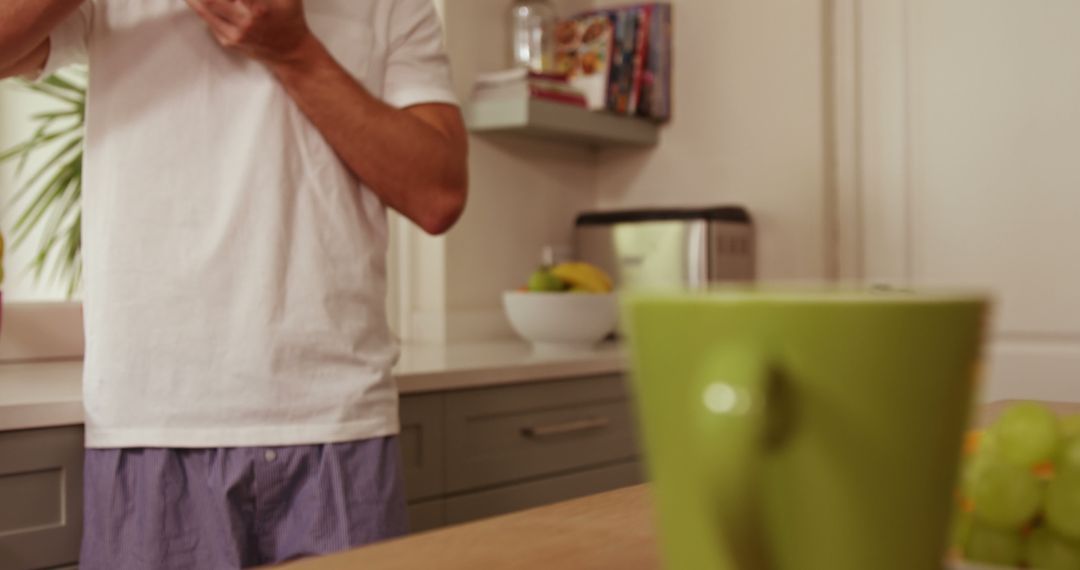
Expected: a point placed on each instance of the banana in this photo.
(584, 276)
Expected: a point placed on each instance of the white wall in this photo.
(967, 170)
(749, 128)
(524, 194)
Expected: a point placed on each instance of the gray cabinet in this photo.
(427, 515)
(422, 448)
(422, 459)
(499, 435)
(515, 447)
(466, 455)
(40, 497)
(503, 500)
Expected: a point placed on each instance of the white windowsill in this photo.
(31, 332)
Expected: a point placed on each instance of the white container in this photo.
(562, 322)
(532, 34)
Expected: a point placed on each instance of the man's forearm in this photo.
(29, 65)
(415, 166)
(26, 24)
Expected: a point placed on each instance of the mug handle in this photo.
(735, 416)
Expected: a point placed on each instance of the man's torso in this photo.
(235, 269)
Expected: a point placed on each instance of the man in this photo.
(239, 158)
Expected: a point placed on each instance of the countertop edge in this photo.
(426, 382)
(64, 405)
(18, 417)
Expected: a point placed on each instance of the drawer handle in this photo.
(564, 428)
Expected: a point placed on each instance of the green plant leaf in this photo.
(74, 145)
(53, 92)
(30, 217)
(56, 80)
(59, 212)
(53, 247)
(24, 151)
(37, 141)
(50, 198)
(73, 259)
(74, 113)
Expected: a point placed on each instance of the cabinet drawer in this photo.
(501, 435)
(422, 445)
(41, 497)
(505, 500)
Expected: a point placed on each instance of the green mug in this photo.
(804, 430)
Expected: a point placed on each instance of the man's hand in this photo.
(413, 159)
(271, 31)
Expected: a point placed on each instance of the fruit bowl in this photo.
(562, 322)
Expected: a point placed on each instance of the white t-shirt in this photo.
(235, 274)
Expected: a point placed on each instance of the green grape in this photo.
(993, 546)
(1027, 434)
(977, 463)
(1063, 505)
(1068, 456)
(1048, 551)
(1070, 425)
(961, 529)
(1005, 496)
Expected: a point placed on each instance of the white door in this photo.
(958, 164)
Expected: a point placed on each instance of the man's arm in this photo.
(25, 26)
(30, 65)
(414, 159)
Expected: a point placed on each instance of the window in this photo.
(16, 107)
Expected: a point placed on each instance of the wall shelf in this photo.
(560, 122)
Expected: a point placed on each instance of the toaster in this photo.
(669, 248)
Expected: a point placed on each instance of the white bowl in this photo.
(562, 322)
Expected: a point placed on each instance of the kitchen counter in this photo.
(50, 394)
(610, 530)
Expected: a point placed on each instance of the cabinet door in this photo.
(501, 435)
(422, 445)
(425, 516)
(963, 170)
(40, 497)
(513, 498)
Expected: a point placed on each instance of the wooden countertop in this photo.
(610, 530)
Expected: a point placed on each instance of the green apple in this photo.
(542, 281)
